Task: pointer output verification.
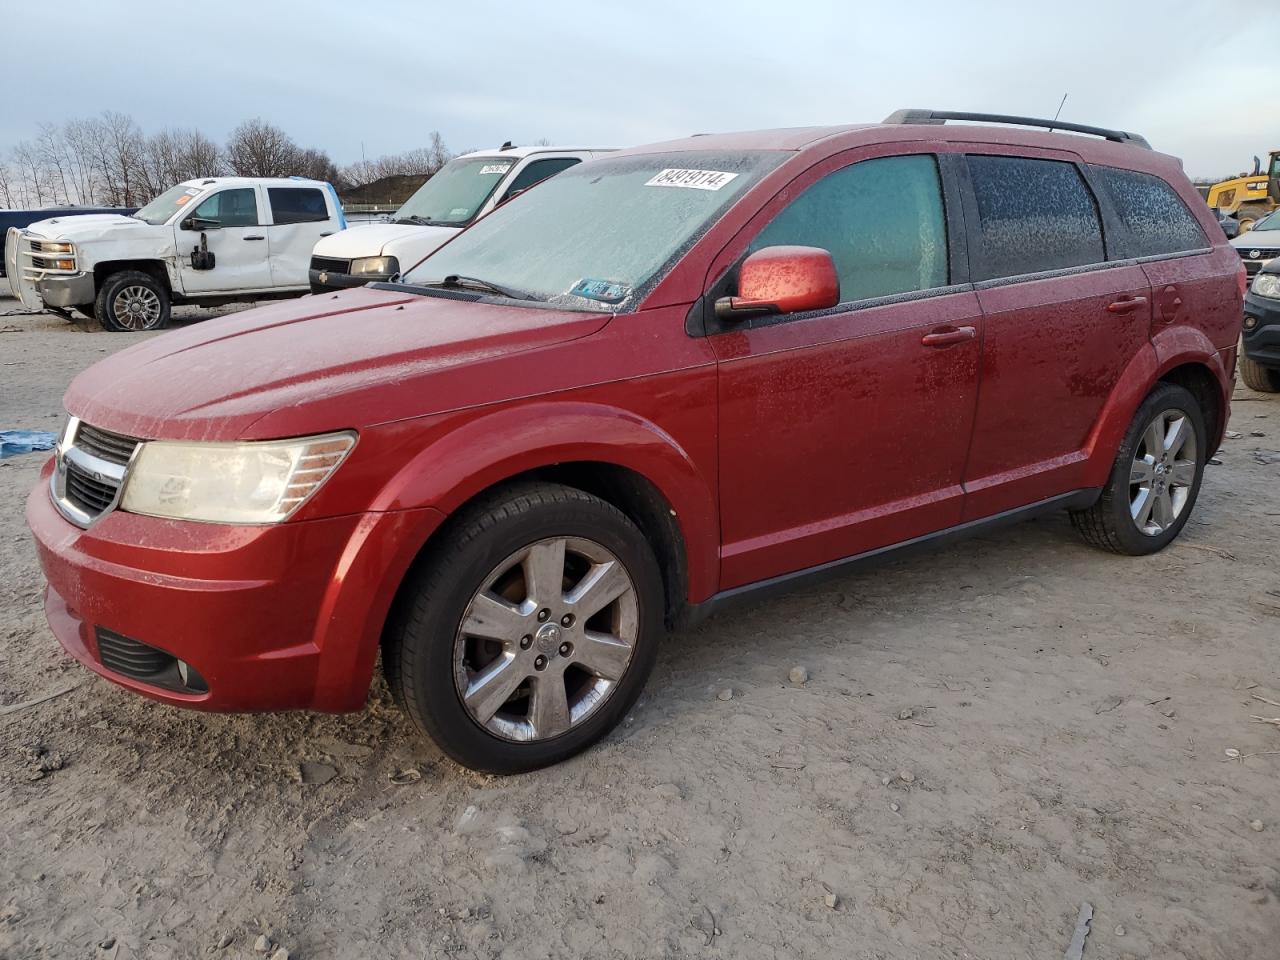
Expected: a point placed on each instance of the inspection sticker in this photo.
(492, 168)
(606, 291)
(691, 179)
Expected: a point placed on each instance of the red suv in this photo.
(659, 382)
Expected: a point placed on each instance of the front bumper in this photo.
(278, 617)
(1262, 343)
(67, 291)
(327, 280)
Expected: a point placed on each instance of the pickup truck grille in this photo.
(89, 472)
(330, 264)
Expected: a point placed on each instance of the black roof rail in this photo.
(942, 116)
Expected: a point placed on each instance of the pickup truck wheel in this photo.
(1155, 479)
(132, 301)
(1257, 377)
(531, 631)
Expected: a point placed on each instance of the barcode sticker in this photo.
(691, 179)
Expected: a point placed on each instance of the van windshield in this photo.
(600, 234)
(168, 203)
(454, 194)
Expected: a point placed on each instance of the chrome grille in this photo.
(89, 471)
(105, 444)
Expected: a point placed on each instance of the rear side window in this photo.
(1033, 215)
(297, 205)
(1158, 221)
(539, 170)
(881, 220)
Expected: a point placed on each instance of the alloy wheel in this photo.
(546, 639)
(136, 308)
(1163, 472)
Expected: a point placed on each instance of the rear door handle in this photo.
(1127, 305)
(256, 237)
(944, 338)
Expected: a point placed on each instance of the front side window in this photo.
(539, 170)
(1033, 215)
(454, 194)
(1158, 221)
(230, 208)
(881, 220)
(297, 205)
(600, 234)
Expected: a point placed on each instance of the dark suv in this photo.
(1260, 365)
(664, 380)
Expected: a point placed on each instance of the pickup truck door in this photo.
(235, 232)
(300, 216)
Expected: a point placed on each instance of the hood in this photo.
(410, 242)
(318, 363)
(81, 228)
(1267, 239)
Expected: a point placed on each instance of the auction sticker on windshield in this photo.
(491, 168)
(690, 179)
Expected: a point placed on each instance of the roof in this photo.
(521, 152)
(267, 181)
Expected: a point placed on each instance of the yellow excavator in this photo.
(1249, 198)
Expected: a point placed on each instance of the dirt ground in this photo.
(991, 735)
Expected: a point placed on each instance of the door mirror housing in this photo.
(783, 280)
(200, 223)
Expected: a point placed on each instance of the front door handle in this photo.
(1126, 305)
(944, 338)
(256, 236)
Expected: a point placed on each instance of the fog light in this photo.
(1250, 322)
(191, 678)
(64, 264)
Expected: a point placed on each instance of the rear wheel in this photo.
(1155, 479)
(531, 631)
(132, 301)
(1257, 377)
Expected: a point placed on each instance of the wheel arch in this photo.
(1198, 379)
(153, 268)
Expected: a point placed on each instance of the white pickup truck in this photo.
(463, 191)
(210, 241)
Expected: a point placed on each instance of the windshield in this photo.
(456, 193)
(597, 235)
(168, 203)
(1270, 222)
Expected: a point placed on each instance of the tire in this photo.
(1257, 377)
(1110, 523)
(1248, 216)
(430, 660)
(137, 289)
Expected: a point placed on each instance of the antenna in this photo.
(1059, 113)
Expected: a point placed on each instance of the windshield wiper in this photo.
(475, 283)
(413, 219)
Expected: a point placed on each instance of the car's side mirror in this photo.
(200, 223)
(783, 280)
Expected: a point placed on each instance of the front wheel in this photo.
(1257, 377)
(1155, 479)
(131, 302)
(530, 631)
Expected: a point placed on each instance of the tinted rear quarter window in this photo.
(297, 205)
(539, 170)
(1034, 215)
(1157, 220)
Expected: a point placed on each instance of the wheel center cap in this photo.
(547, 639)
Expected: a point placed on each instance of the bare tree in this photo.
(7, 184)
(27, 158)
(417, 162)
(257, 149)
(121, 149)
(54, 159)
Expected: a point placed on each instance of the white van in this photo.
(464, 190)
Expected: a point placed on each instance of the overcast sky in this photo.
(1194, 76)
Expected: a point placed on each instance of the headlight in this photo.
(381, 266)
(260, 482)
(48, 247)
(1267, 285)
